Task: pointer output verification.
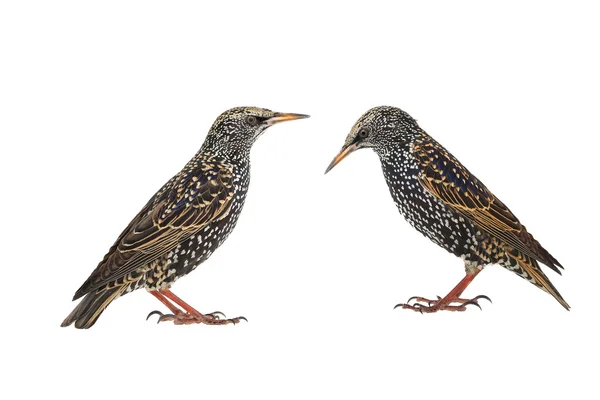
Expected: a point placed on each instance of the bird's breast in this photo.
(201, 244)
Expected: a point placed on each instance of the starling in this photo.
(182, 224)
(441, 199)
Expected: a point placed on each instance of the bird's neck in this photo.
(391, 151)
(239, 165)
(229, 152)
(399, 162)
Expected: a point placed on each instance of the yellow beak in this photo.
(282, 117)
(343, 154)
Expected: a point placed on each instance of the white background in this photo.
(101, 103)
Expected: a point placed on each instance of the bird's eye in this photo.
(364, 132)
(252, 120)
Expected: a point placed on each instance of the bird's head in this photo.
(235, 131)
(381, 129)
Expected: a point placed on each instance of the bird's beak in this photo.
(281, 117)
(343, 154)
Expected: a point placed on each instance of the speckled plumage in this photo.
(183, 223)
(440, 198)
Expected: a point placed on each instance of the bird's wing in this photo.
(444, 177)
(185, 204)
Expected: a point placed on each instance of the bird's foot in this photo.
(184, 318)
(423, 305)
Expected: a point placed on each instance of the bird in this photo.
(445, 202)
(181, 225)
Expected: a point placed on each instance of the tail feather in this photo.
(88, 310)
(529, 269)
(540, 252)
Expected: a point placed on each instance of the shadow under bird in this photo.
(440, 198)
(182, 224)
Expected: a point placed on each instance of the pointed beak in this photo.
(343, 154)
(282, 117)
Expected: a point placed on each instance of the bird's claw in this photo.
(167, 317)
(162, 317)
(418, 299)
(218, 321)
(418, 307)
(182, 318)
(482, 296)
(434, 301)
(155, 312)
(414, 307)
(425, 305)
(471, 303)
(216, 315)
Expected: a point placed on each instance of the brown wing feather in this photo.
(447, 179)
(184, 205)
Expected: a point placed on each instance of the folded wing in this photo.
(446, 178)
(187, 203)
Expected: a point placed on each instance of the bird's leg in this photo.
(174, 310)
(425, 305)
(189, 315)
(215, 315)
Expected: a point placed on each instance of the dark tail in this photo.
(540, 253)
(88, 310)
(529, 269)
